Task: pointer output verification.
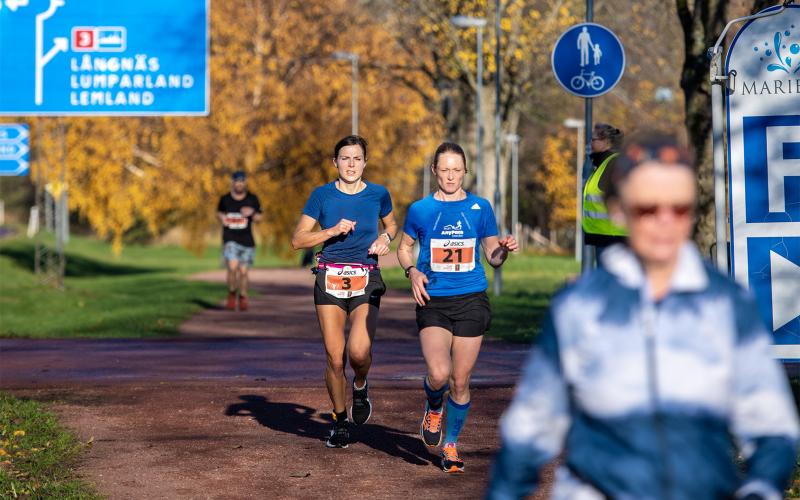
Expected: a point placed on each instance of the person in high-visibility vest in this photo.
(598, 228)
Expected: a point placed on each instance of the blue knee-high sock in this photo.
(435, 397)
(456, 416)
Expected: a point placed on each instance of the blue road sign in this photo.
(588, 60)
(94, 57)
(13, 149)
(763, 120)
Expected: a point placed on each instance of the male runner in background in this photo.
(237, 211)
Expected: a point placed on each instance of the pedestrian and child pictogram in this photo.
(588, 60)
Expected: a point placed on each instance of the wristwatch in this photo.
(388, 236)
(408, 269)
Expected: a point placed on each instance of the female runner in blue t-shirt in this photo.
(348, 278)
(449, 285)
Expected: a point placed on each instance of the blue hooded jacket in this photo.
(645, 399)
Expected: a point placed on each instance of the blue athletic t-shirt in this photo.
(449, 235)
(327, 205)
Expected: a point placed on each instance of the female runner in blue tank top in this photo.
(449, 285)
(348, 279)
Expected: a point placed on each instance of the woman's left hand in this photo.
(379, 247)
(509, 243)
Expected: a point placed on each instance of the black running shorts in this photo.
(468, 315)
(372, 293)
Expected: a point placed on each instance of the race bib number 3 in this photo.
(345, 282)
(453, 256)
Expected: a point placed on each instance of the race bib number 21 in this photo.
(453, 255)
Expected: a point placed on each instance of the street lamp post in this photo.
(514, 140)
(498, 204)
(578, 126)
(478, 23)
(353, 58)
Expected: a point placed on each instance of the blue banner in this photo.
(94, 57)
(763, 123)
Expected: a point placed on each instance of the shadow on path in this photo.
(300, 420)
(77, 266)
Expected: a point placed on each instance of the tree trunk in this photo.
(701, 25)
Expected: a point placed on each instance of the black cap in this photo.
(238, 176)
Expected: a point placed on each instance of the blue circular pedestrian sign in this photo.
(588, 60)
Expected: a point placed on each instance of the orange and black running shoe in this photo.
(431, 427)
(451, 462)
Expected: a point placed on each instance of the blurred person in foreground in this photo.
(237, 211)
(654, 371)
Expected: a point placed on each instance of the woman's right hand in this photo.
(344, 226)
(418, 282)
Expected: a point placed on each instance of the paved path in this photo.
(235, 406)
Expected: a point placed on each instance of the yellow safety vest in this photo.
(595, 212)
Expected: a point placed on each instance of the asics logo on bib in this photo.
(453, 243)
(347, 273)
(453, 229)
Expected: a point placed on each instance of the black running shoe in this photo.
(340, 435)
(451, 462)
(431, 427)
(362, 407)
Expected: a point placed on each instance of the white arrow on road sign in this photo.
(59, 45)
(22, 167)
(13, 133)
(785, 290)
(13, 151)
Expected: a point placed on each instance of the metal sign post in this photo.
(588, 60)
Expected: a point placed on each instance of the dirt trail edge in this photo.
(235, 406)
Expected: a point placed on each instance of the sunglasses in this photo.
(677, 210)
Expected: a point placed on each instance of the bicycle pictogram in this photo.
(587, 78)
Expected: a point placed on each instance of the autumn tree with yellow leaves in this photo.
(445, 56)
(557, 178)
(279, 103)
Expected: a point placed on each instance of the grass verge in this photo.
(37, 456)
(142, 293)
